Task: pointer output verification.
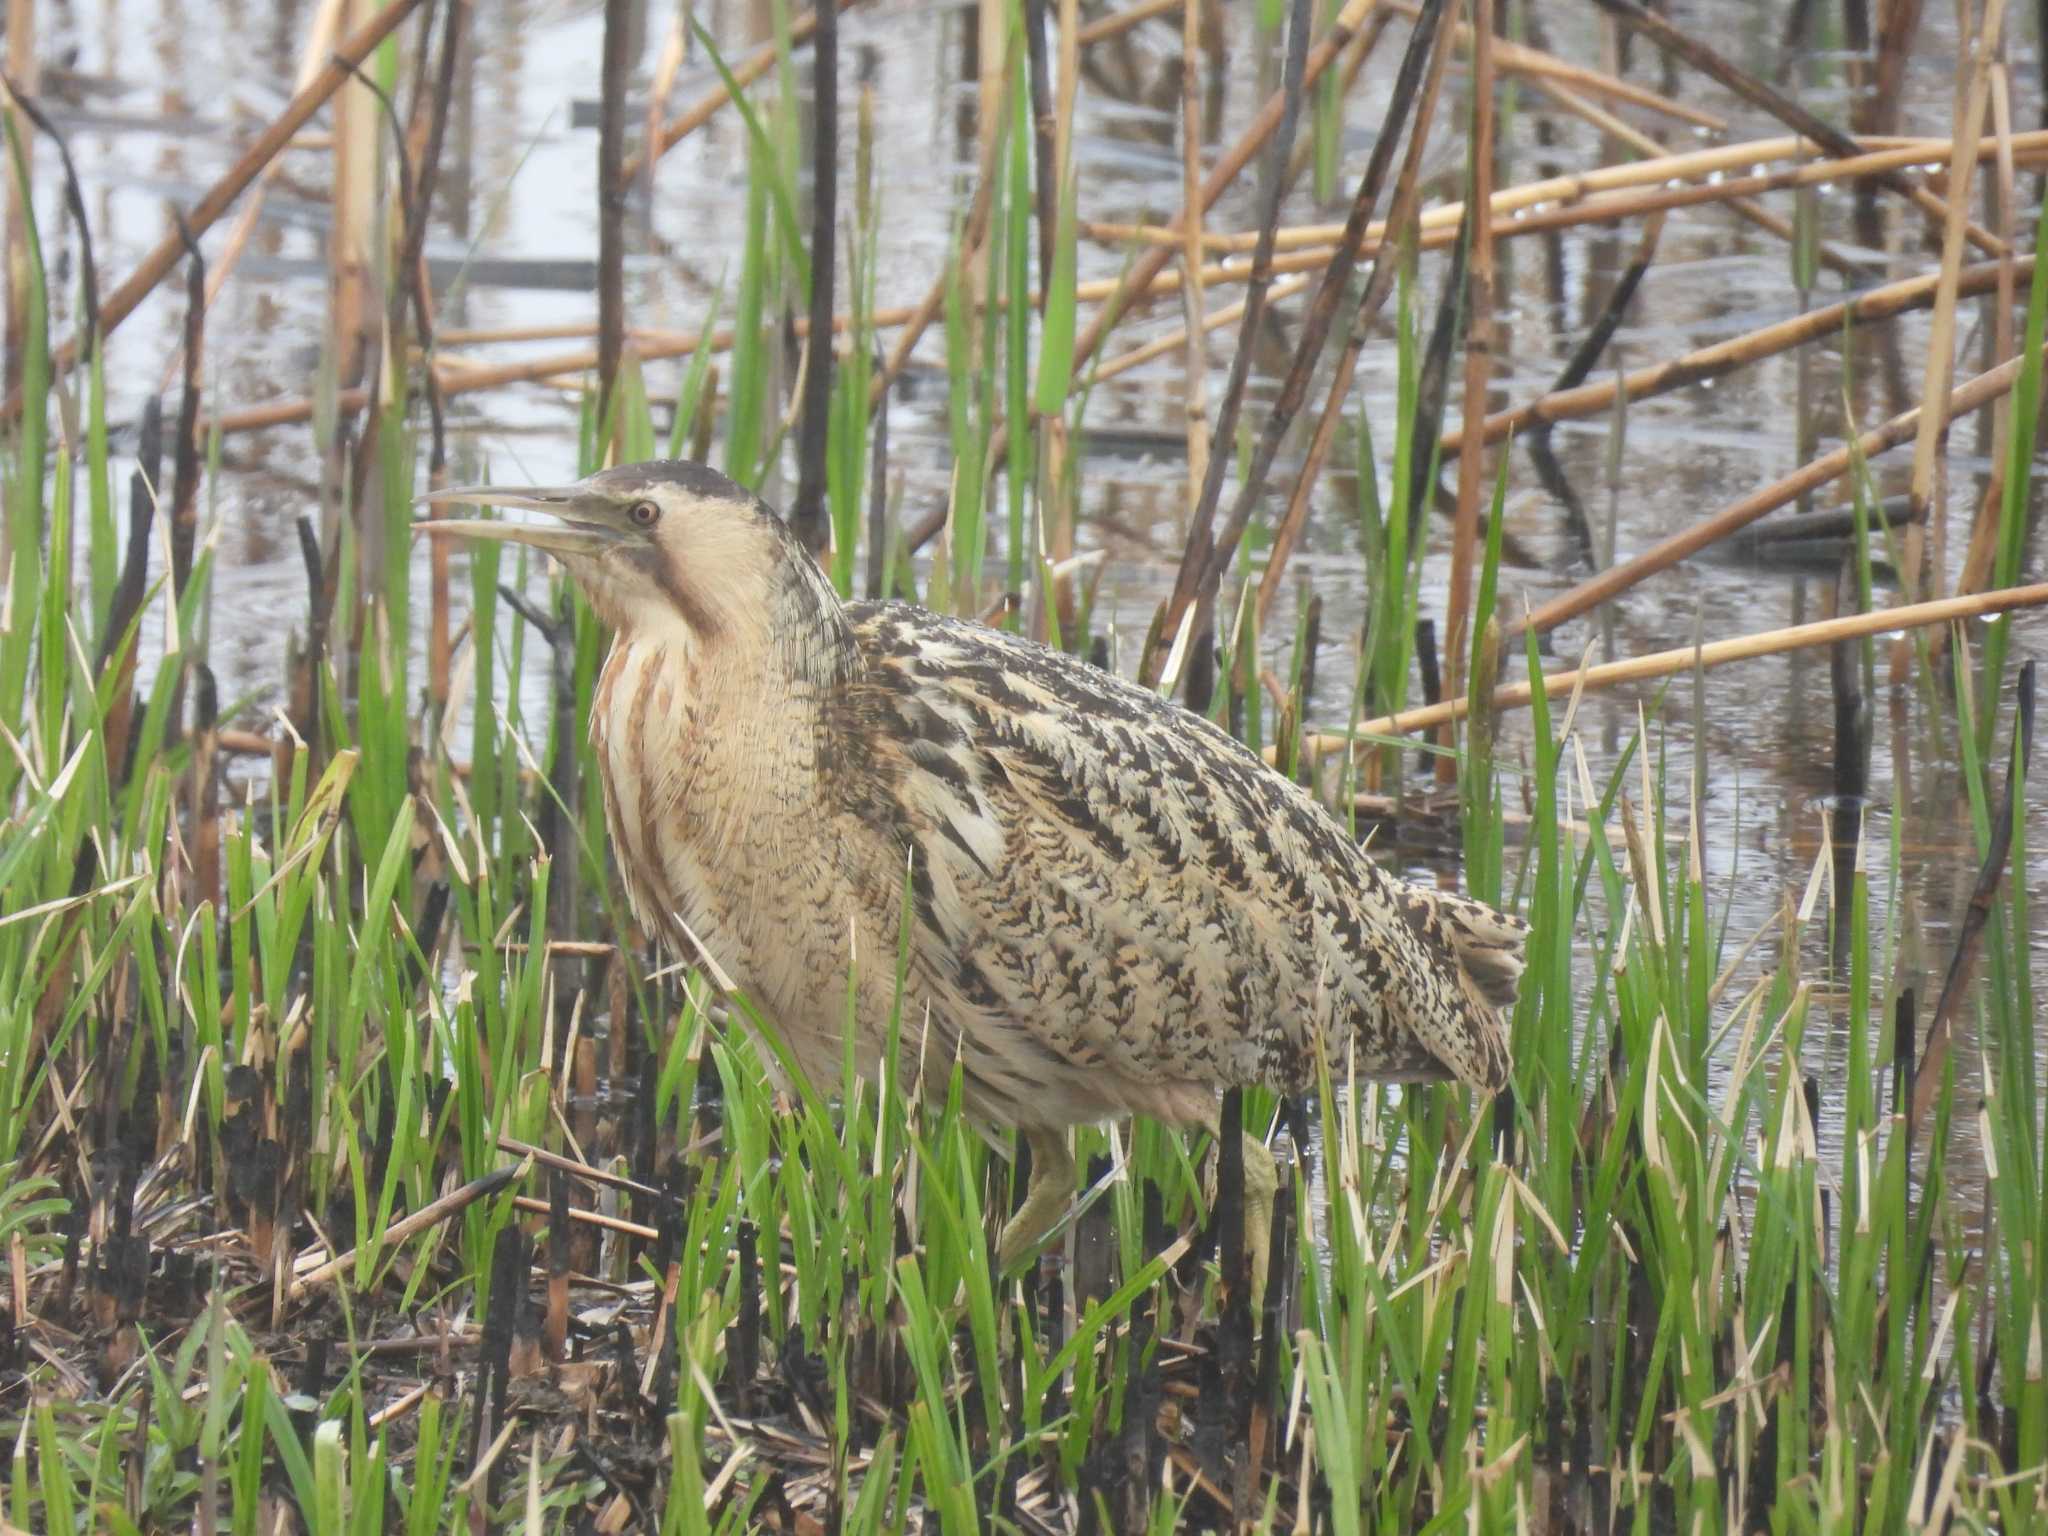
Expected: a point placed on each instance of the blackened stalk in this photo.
(611, 200)
(1042, 142)
(807, 516)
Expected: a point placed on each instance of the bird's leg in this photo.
(1261, 1186)
(1046, 1197)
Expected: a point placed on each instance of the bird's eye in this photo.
(644, 514)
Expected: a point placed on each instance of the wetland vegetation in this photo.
(362, 1169)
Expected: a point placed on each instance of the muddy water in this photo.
(156, 99)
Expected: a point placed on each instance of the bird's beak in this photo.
(590, 524)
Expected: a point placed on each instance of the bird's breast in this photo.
(710, 800)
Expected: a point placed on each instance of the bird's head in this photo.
(667, 548)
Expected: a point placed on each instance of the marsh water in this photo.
(157, 98)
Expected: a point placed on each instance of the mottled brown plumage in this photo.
(1115, 908)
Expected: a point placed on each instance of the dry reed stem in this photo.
(1983, 550)
(1148, 268)
(1517, 59)
(150, 271)
(1478, 353)
(1192, 294)
(808, 516)
(1627, 133)
(615, 67)
(319, 44)
(1973, 84)
(1120, 22)
(1722, 357)
(657, 344)
(1400, 215)
(706, 107)
(1875, 158)
(1761, 94)
(22, 70)
(1668, 551)
(1684, 658)
(1190, 586)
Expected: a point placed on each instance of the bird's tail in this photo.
(1487, 949)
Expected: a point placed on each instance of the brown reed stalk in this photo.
(1193, 295)
(1668, 551)
(1972, 91)
(1147, 268)
(807, 514)
(1431, 32)
(617, 65)
(1188, 585)
(1711, 362)
(1983, 550)
(1400, 214)
(1898, 25)
(1716, 653)
(1763, 95)
(1478, 358)
(22, 72)
(221, 195)
(1120, 22)
(1874, 157)
(707, 106)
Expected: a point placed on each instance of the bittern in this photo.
(1115, 908)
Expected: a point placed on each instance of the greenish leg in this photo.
(1261, 1186)
(1046, 1198)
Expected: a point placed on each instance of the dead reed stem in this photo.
(1873, 158)
(1737, 351)
(21, 70)
(1478, 352)
(611, 205)
(1120, 22)
(1190, 585)
(1762, 94)
(121, 303)
(1718, 653)
(1516, 59)
(1400, 215)
(1610, 583)
(706, 107)
(807, 513)
(1192, 294)
(1972, 88)
(1983, 550)
(1148, 267)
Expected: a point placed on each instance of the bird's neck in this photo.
(757, 686)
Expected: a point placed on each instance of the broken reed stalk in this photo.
(611, 208)
(915, 319)
(1722, 357)
(151, 270)
(1478, 356)
(1978, 559)
(1386, 258)
(1763, 95)
(1431, 32)
(1123, 21)
(1520, 60)
(1188, 581)
(807, 513)
(1873, 158)
(1973, 86)
(706, 107)
(1193, 297)
(1610, 583)
(1147, 268)
(1716, 653)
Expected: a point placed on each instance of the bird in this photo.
(1115, 908)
